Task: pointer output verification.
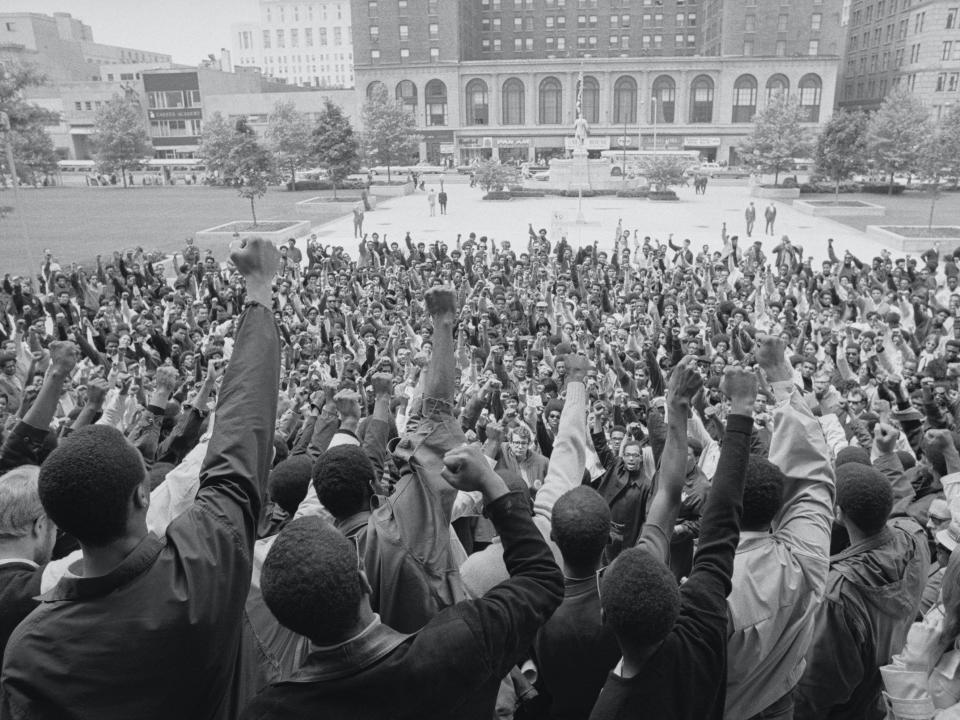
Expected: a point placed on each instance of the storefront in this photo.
(474, 149)
(707, 146)
(434, 145)
(514, 150)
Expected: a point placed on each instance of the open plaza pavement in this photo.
(78, 223)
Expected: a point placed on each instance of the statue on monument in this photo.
(581, 129)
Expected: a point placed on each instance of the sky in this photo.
(188, 30)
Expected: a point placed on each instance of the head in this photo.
(25, 528)
(632, 456)
(864, 498)
(640, 600)
(313, 584)
(95, 486)
(581, 527)
(343, 478)
(288, 482)
(762, 493)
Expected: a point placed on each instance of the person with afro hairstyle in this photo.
(286, 488)
(146, 626)
(315, 582)
(674, 640)
(782, 560)
(872, 595)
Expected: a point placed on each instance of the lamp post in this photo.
(653, 100)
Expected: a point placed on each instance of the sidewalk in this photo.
(697, 217)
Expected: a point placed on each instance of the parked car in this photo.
(541, 176)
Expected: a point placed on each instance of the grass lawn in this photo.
(924, 232)
(910, 208)
(77, 224)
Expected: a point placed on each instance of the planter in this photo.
(276, 230)
(391, 190)
(499, 195)
(663, 196)
(322, 206)
(775, 193)
(915, 238)
(639, 193)
(839, 208)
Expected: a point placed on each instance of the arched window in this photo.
(701, 100)
(478, 104)
(810, 87)
(744, 99)
(591, 100)
(664, 101)
(625, 101)
(407, 96)
(435, 102)
(513, 102)
(551, 102)
(375, 88)
(777, 85)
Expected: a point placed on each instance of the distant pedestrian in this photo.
(771, 215)
(442, 197)
(432, 202)
(750, 215)
(473, 179)
(358, 219)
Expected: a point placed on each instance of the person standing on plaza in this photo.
(750, 215)
(358, 219)
(432, 202)
(442, 197)
(771, 216)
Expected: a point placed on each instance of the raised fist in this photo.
(382, 384)
(740, 386)
(771, 357)
(685, 382)
(63, 357)
(256, 259)
(442, 304)
(577, 367)
(885, 436)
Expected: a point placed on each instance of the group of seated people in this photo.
(472, 481)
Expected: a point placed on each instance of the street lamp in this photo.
(653, 100)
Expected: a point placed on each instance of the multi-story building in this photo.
(62, 47)
(772, 28)
(306, 43)
(501, 77)
(899, 42)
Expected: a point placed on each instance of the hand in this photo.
(467, 469)
(382, 384)
(348, 404)
(257, 261)
(941, 440)
(740, 386)
(97, 392)
(495, 432)
(772, 359)
(577, 367)
(685, 382)
(442, 305)
(63, 358)
(885, 436)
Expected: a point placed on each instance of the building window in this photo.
(435, 102)
(782, 23)
(951, 18)
(747, 48)
(322, 36)
(432, 6)
(478, 106)
(266, 39)
(294, 38)
(308, 37)
(591, 100)
(815, 20)
(744, 99)
(375, 33)
(405, 52)
(402, 6)
(664, 100)
(407, 97)
(551, 102)
(810, 88)
(701, 100)
(338, 36)
(813, 48)
(625, 101)
(434, 29)
(78, 106)
(528, 44)
(280, 39)
(750, 23)
(945, 51)
(373, 8)
(513, 97)
(404, 33)
(777, 85)
(375, 56)
(434, 54)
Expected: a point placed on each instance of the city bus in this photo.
(634, 159)
(151, 171)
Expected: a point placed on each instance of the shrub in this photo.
(326, 185)
(883, 189)
(633, 193)
(498, 195)
(664, 195)
(790, 182)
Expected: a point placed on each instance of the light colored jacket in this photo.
(779, 577)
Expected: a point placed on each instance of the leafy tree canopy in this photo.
(777, 137)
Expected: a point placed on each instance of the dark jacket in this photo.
(159, 635)
(685, 677)
(872, 595)
(453, 666)
(19, 586)
(628, 496)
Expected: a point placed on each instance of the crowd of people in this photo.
(472, 479)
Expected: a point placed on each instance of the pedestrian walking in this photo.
(358, 219)
(432, 202)
(442, 197)
(750, 215)
(771, 215)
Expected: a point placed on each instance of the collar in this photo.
(19, 561)
(332, 662)
(871, 543)
(141, 559)
(752, 537)
(349, 526)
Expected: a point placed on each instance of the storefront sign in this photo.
(593, 143)
(513, 142)
(664, 142)
(469, 142)
(446, 148)
(696, 142)
(175, 114)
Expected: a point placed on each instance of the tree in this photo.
(33, 151)
(492, 176)
(250, 165)
(897, 131)
(217, 141)
(120, 138)
(334, 144)
(288, 133)
(842, 147)
(389, 132)
(940, 155)
(663, 172)
(777, 137)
